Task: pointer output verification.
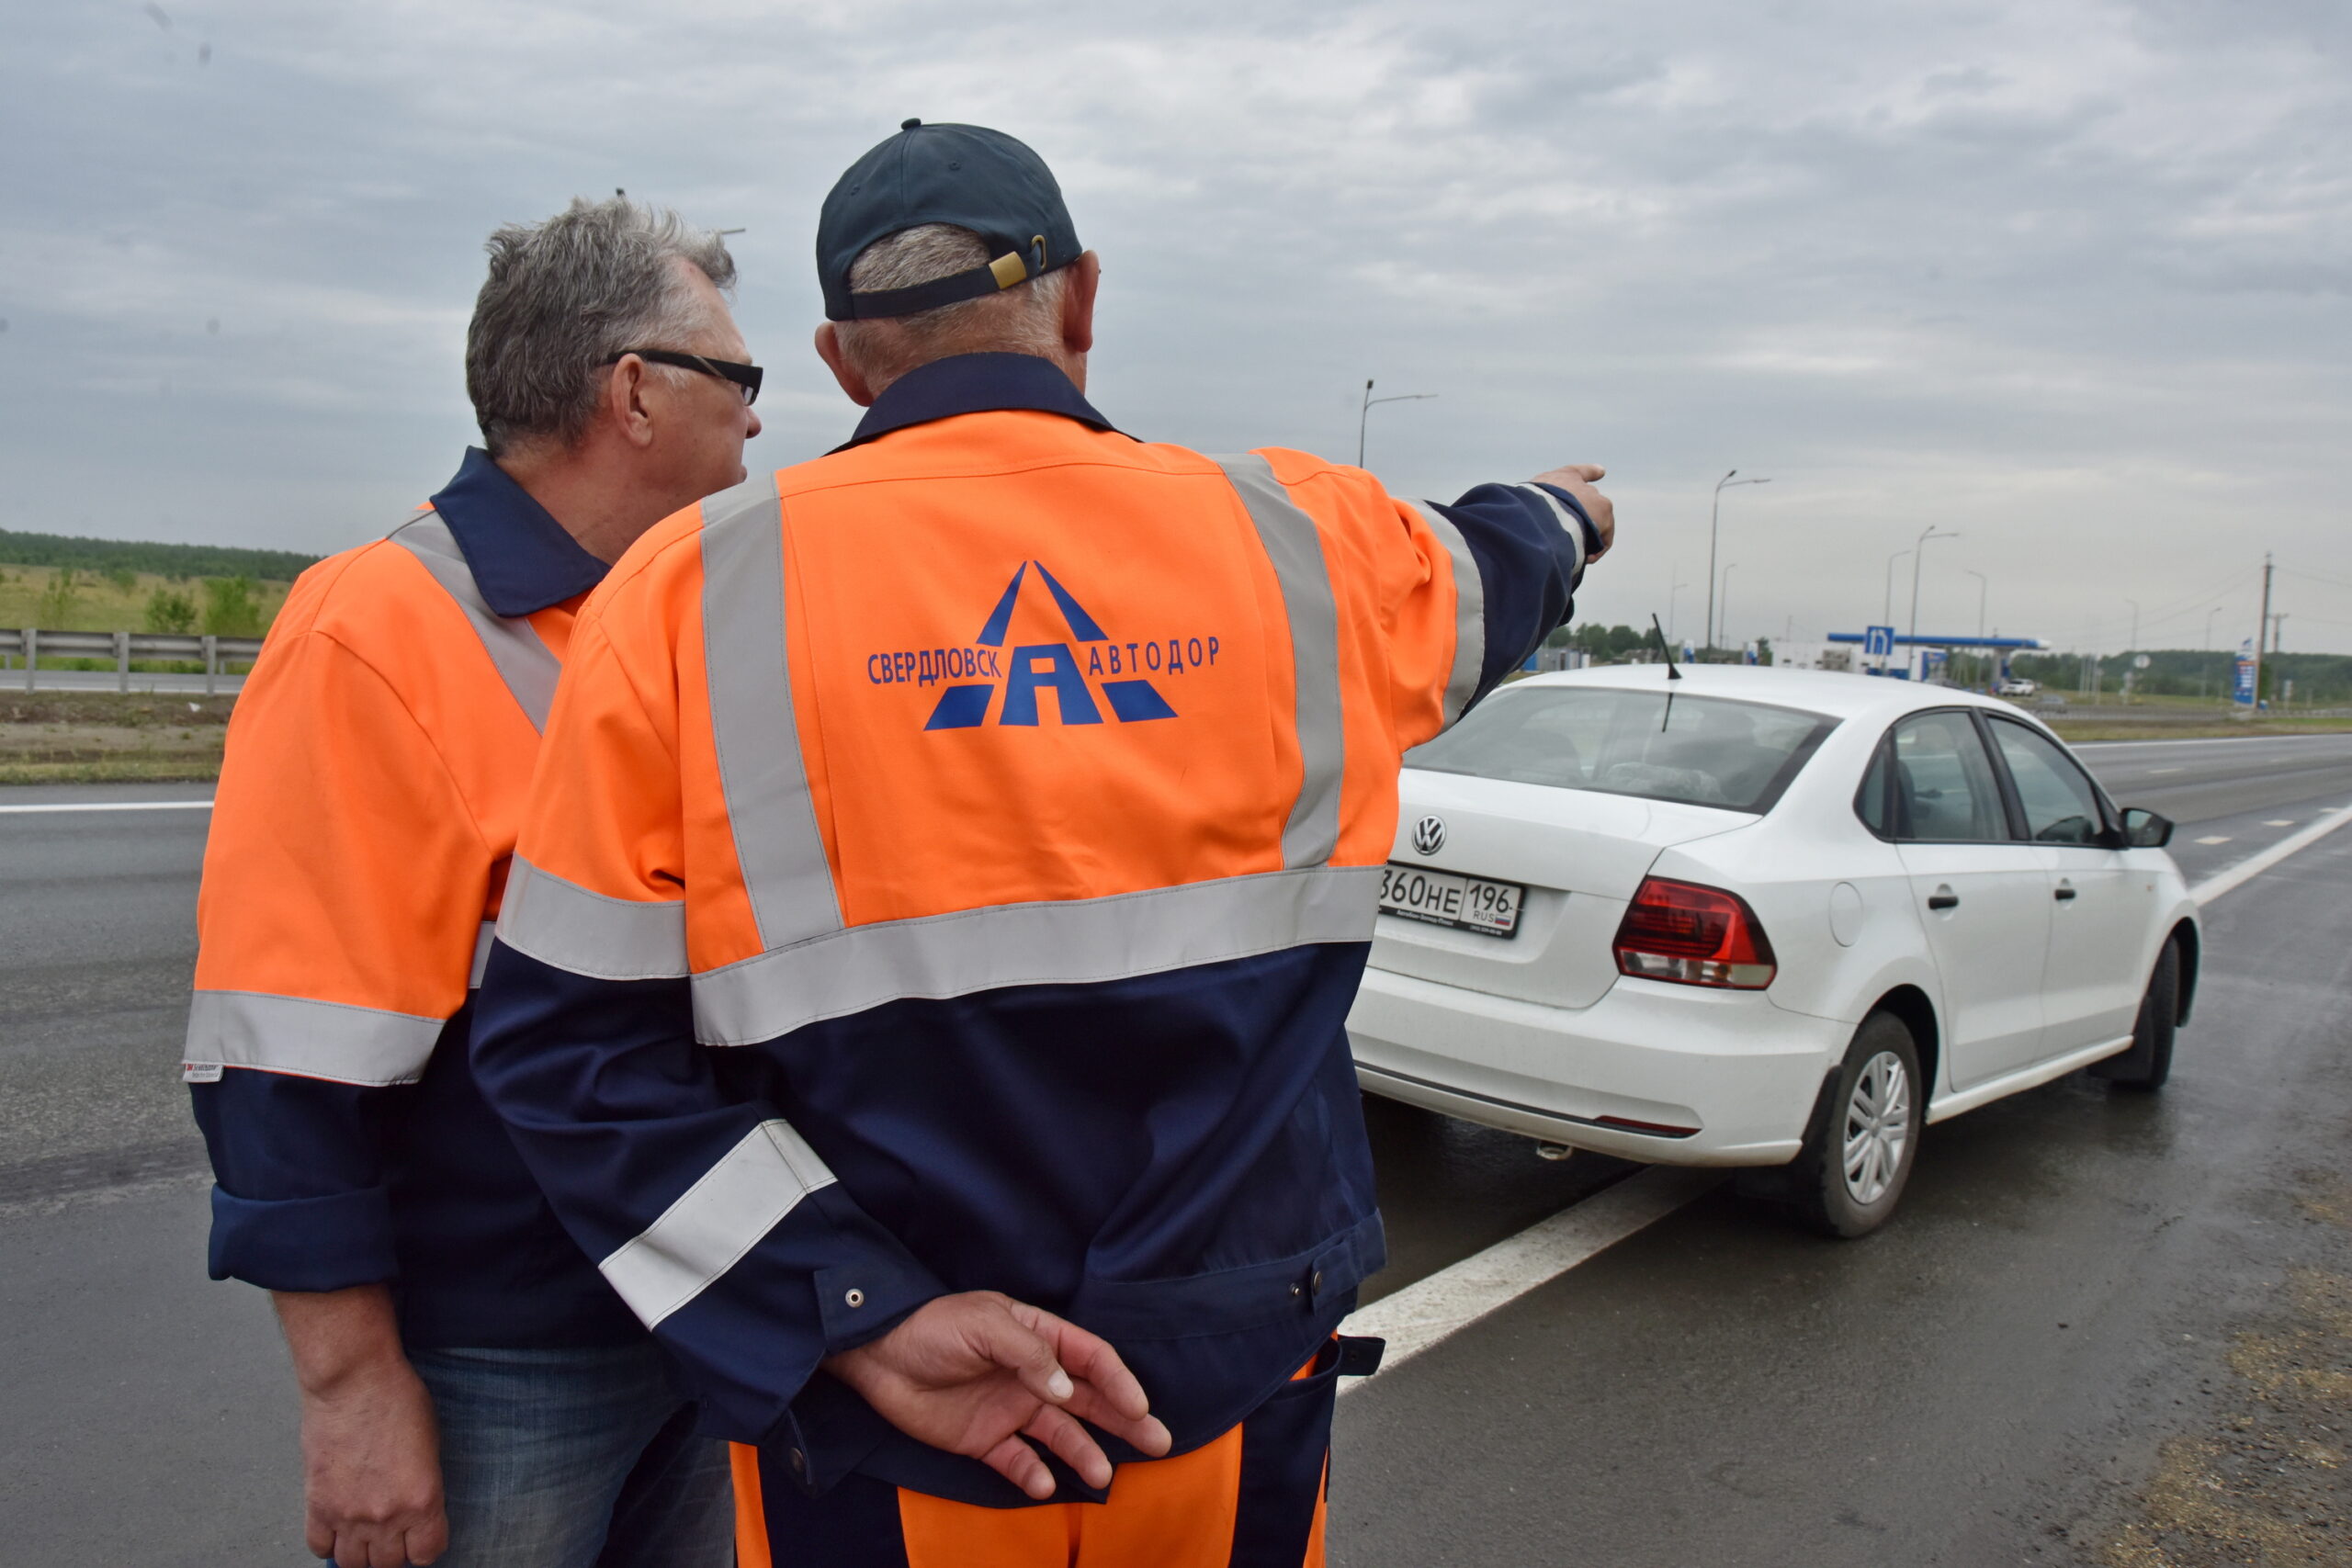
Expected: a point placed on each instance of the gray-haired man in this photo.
(470, 1383)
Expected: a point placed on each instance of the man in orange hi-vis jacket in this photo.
(468, 1378)
(923, 982)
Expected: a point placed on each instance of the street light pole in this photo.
(2203, 665)
(1982, 583)
(1364, 412)
(1714, 515)
(1919, 555)
(1725, 614)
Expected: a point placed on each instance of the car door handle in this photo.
(2063, 893)
(1943, 898)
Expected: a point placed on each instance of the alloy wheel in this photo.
(1877, 1127)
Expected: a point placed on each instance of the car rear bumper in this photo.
(1706, 1077)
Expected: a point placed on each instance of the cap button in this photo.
(909, 124)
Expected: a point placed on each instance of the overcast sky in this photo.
(2068, 278)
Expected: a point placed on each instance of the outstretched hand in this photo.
(1578, 479)
(974, 1373)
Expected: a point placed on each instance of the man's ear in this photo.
(623, 406)
(1077, 303)
(852, 384)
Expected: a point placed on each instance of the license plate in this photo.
(1441, 898)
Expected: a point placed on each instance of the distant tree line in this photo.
(1604, 643)
(119, 557)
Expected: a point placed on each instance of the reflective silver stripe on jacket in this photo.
(1312, 834)
(1469, 612)
(566, 926)
(1071, 942)
(311, 1039)
(525, 662)
(481, 954)
(768, 806)
(714, 1221)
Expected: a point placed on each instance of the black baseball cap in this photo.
(965, 175)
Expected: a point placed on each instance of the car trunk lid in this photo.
(1579, 853)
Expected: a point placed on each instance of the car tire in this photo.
(1858, 1156)
(2147, 1063)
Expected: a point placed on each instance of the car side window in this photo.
(1944, 789)
(2061, 807)
(1869, 802)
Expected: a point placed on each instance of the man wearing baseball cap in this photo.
(923, 980)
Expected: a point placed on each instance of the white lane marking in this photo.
(2280, 822)
(2221, 839)
(108, 806)
(2246, 870)
(1430, 1311)
(2153, 773)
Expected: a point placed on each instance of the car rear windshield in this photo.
(1697, 751)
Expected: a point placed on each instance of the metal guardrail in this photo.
(30, 644)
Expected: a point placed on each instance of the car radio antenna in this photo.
(1673, 674)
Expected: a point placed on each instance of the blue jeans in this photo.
(575, 1459)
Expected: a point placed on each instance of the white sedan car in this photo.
(1754, 917)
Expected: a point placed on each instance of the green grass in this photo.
(114, 770)
(2114, 725)
(64, 600)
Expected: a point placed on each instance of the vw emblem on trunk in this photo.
(1428, 835)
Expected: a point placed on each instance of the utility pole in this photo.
(2261, 632)
(2203, 665)
(2131, 673)
(1714, 515)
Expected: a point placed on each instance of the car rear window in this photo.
(1697, 751)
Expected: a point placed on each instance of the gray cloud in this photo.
(2069, 277)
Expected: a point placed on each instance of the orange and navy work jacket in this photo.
(377, 768)
(950, 866)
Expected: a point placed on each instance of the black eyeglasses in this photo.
(746, 376)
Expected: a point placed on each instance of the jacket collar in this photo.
(974, 383)
(521, 557)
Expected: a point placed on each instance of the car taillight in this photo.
(1693, 936)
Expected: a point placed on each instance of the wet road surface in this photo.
(1717, 1388)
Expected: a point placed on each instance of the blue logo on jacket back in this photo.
(1071, 671)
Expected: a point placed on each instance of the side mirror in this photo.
(2143, 830)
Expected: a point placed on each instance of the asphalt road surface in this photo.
(2007, 1375)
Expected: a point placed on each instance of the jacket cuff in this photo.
(1587, 536)
(825, 1279)
(304, 1244)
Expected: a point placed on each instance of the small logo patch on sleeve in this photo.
(200, 1072)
